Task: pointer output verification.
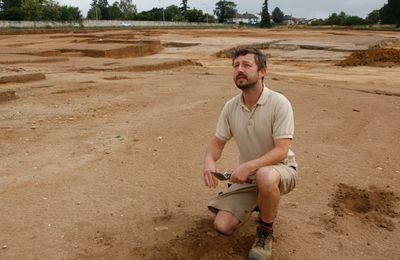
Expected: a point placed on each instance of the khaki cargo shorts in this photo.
(241, 199)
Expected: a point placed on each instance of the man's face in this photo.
(245, 72)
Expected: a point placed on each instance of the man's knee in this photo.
(225, 223)
(267, 179)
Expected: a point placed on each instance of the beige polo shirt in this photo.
(255, 130)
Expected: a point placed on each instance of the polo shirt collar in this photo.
(264, 95)
(261, 100)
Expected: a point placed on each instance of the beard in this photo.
(246, 85)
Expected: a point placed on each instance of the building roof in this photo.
(247, 15)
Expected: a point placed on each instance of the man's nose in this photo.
(239, 68)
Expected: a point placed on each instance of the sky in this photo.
(297, 8)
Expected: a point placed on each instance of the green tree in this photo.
(318, 22)
(184, 7)
(179, 18)
(277, 15)
(354, 20)
(31, 9)
(265, 18)
(341, 19)
(12, 14)
(336, 19)
(69, 13)
(94, 12)
(128, 9)
(390, 12)
(373, 17)
(115, 12)
(11, 10)
(38, 10)
(155, 14)
(51, 10)
(171, 12)
(7, 4)
(194, 15)
(225, 10)
(103, 5)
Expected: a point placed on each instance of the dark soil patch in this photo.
(22, 78)
(7, 95)
(202, 242)
(179, 44)
(373, 206)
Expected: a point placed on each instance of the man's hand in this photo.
(241, 174)
(209, 179)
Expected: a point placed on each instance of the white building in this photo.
(245, 18)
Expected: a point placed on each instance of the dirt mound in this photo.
(374, 206)
(200, 243)
(373, 57)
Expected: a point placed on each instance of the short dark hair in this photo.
(260, 58)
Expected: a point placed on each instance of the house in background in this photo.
(245, 18)
(290, 20)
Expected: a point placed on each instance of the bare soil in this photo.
(101, 157)
(374, 57)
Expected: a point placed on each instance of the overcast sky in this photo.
(298, 8)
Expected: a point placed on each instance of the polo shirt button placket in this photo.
(250, 122)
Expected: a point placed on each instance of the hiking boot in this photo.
(262, 247)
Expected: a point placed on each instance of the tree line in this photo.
(224, 12)
(388, 14)
(36, 10)
(126, 10)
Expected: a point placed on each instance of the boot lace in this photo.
(262, 237)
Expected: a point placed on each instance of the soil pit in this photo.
(179, 44)
(140, 49)
(147, 67)
(115, 78)
(22, 78)
(374, 206)
(202, 242)
(7, 95)
(227, 53)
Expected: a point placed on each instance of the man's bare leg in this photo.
(226, 223)
(268, 180)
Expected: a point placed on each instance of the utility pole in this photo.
(163, 10)
(206, 11)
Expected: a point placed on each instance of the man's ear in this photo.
(263, 72)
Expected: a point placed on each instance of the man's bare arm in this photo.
(213, 153)
(274, 156)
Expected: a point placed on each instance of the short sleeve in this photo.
(283, 124)
(223, 130)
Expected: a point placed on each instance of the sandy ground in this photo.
(101, 158)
